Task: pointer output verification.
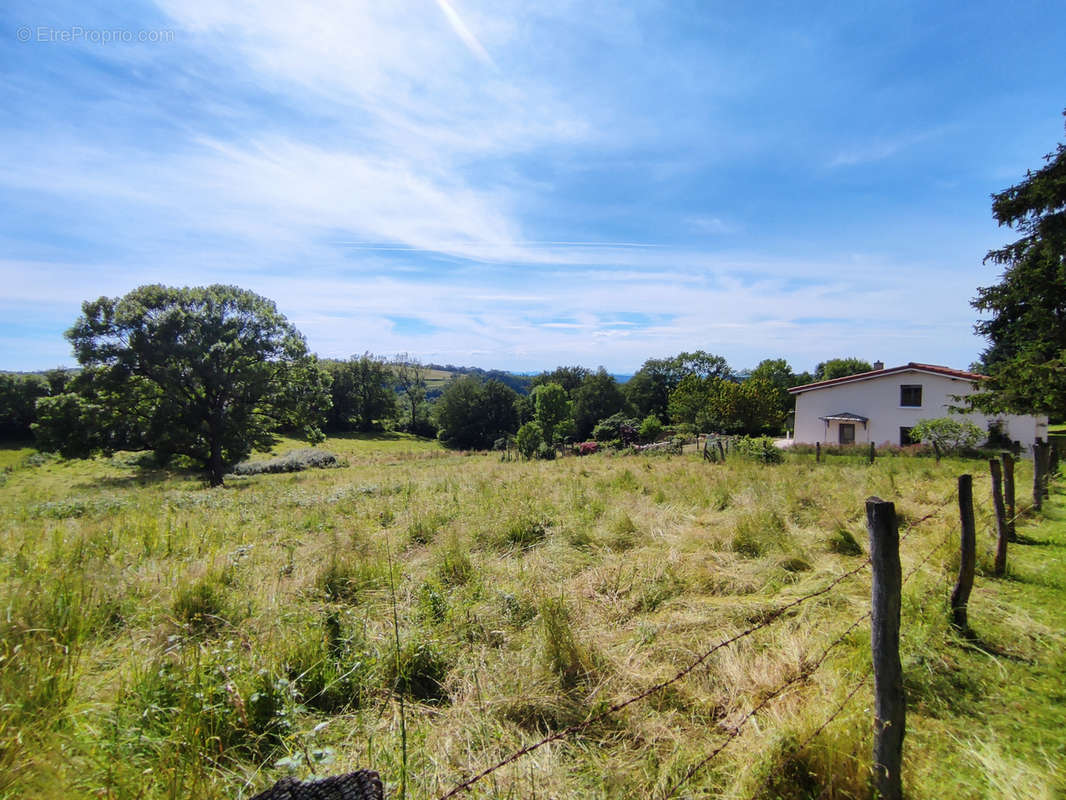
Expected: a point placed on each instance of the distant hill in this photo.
(440, 374)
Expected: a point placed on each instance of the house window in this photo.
(910, 396)
(847, 433)
(905, 436)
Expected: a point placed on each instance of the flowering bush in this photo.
(587, 448)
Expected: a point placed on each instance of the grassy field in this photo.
(425, 613)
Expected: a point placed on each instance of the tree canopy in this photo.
(840, 368)
(472, 415)
(715, 404)
(362, 393)
(552, 411)
(598, 397)
(649, 390)
(208, 373)
(1026, 327)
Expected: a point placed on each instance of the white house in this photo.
(882, 406)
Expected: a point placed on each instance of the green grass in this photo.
(159, 639)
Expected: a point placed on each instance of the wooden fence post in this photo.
(1038, 483)
(1045, 470)
(960, 595)
(721, 450)
(889, 702)
(1002, 529)
(873, 452)
(1008, 494)
(817, 452)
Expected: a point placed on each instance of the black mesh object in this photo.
(364, 784)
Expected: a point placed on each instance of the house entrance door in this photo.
(847, 433)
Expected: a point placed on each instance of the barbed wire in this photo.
(925, 559)
(770, 618)
(767, 620)
(818, 731)
(803, 674)
(940, 507)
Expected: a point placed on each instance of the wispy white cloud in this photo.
(464, 33)
(705, 223)
(351, 160)
(879, 149)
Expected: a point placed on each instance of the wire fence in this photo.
(767, 620)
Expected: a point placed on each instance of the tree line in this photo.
(208, 374)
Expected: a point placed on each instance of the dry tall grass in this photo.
(163, 640)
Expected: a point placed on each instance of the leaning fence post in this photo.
(1002, 529)
(818, 452)
(960, 595)
(889, 701)
(1038, 465)
(1008, 494)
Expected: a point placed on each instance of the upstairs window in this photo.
(910, 396)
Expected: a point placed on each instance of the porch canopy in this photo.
(845, 416)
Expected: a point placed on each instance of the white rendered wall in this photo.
(878, 399)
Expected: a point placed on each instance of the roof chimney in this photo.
(879, 365)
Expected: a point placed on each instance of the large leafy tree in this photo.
(715, 404)
(840, 368)
(568, 377)
(362, 393)
(649, 390)
(411, 383)
(472, 415)
(553, 411)
(18, 401)
(598, 397)
(208, 373)
(1026, 326)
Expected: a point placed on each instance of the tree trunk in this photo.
(216, 468)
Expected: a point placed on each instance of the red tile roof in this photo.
(877, 373)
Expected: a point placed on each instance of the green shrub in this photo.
(529, 439)
(651, 428)
(759, 448)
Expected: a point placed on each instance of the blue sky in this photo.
(519, 185)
